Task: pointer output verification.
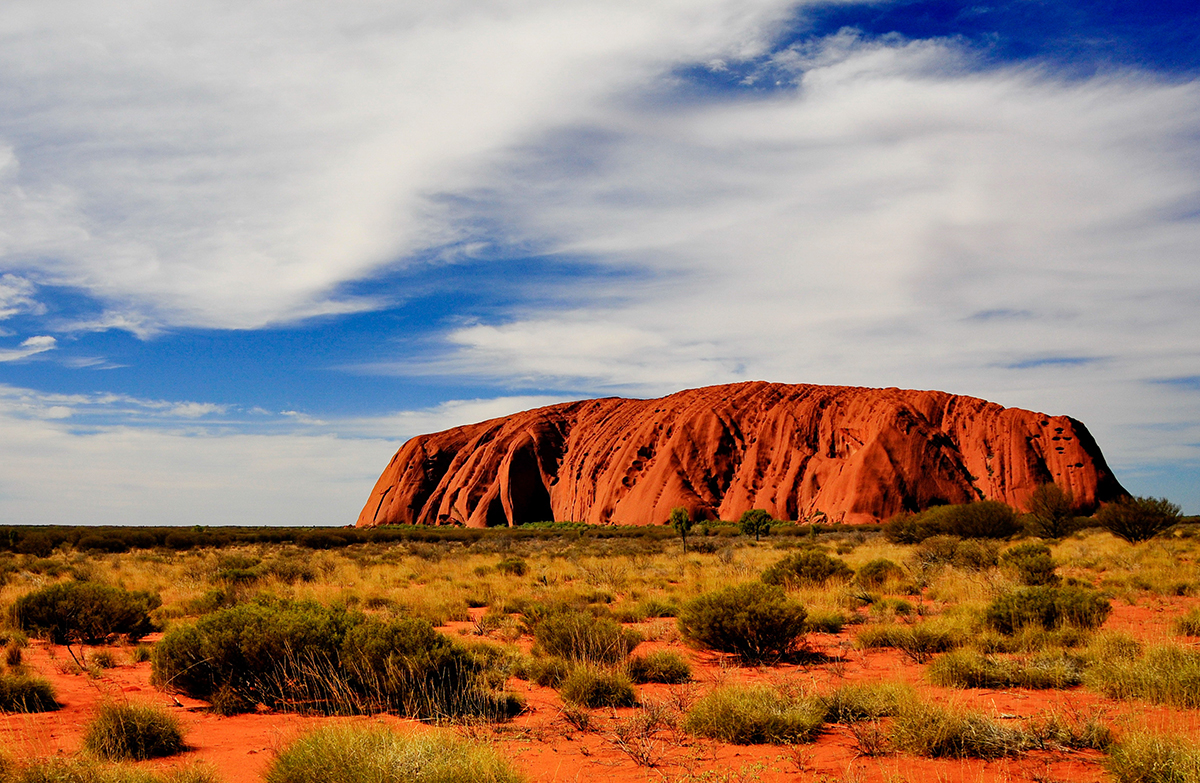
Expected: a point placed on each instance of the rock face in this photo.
(858, 455)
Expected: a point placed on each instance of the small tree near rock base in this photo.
(755, 522)
(1138, 519)
(681, 520)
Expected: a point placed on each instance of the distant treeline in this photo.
(41, 540)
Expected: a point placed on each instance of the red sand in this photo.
(544, 745)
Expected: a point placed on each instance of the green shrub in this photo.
(806, 567)
(310, 658)
(827, 621)
(547, 671)
(964, 669)
(590, 687)
(661, 666)
(584, 637)
(755, 715)
(1048, 607)
(140, 653)
(920, 641)
(755, 522)
(514, 566)
(1138, 519)
(754, 621)
(877, 572)
(85, 612)
(355, 754)
(1031, 563)
(1151, 758)
(924, 729)
(21, 693)
(1163, 675)
(133, 732)
(985, 519)
(971, 555)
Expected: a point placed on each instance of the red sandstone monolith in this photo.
(856, 455)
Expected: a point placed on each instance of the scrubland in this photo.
(833, 654)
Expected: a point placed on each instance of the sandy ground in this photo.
(548, 748)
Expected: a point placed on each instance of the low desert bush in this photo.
(1153, 758)
(985, 519)
(1048, 607)
(966, 669)
(22, 693)
(1031, 564)
(85, 612)
(876, 573)
(1051, 512)
(755, 621)
(806, 567)
(133, 732)
(925, 729)
(584, 637)
(547, 671)
(920, 641)
(514, 566)
(1075, 731)
(755, 715)
(967, 554)
(310, 658)
(663, 666)
(825, 621)
(356, 754)
(588, 686)
(1163, 675)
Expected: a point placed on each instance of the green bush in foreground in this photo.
(133, 732)
(866, 701)
(756, 622)
(663, 666)
(1048, 607)
(348, 754)
(936, 732)
(21, 693)
(755, 715)
(590, 687)
(85, 612)
(1031, 563)
(1149, 758)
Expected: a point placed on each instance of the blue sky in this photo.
(245, 253)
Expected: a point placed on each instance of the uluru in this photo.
(856, 455)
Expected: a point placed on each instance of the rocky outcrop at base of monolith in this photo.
(856, 455)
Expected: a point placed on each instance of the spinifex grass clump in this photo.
(311, 658)
(925, 729)
(90, 771)
(347, 754)
(965, 669)
(133, 732)
(876, 573)
(756, 622)
(588, 686)
(85, 612)
(1031, 563)
(1048, 607)
(920, 641)
(663, 666)
(1151, 758)
(807, 567)
(21, 693)
(866, 701)
(755, 715)
(1163, 675)
(1189, 624)
(584, 637)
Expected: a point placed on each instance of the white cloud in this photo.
(16, 295)
(231, 166)
(30, 347)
